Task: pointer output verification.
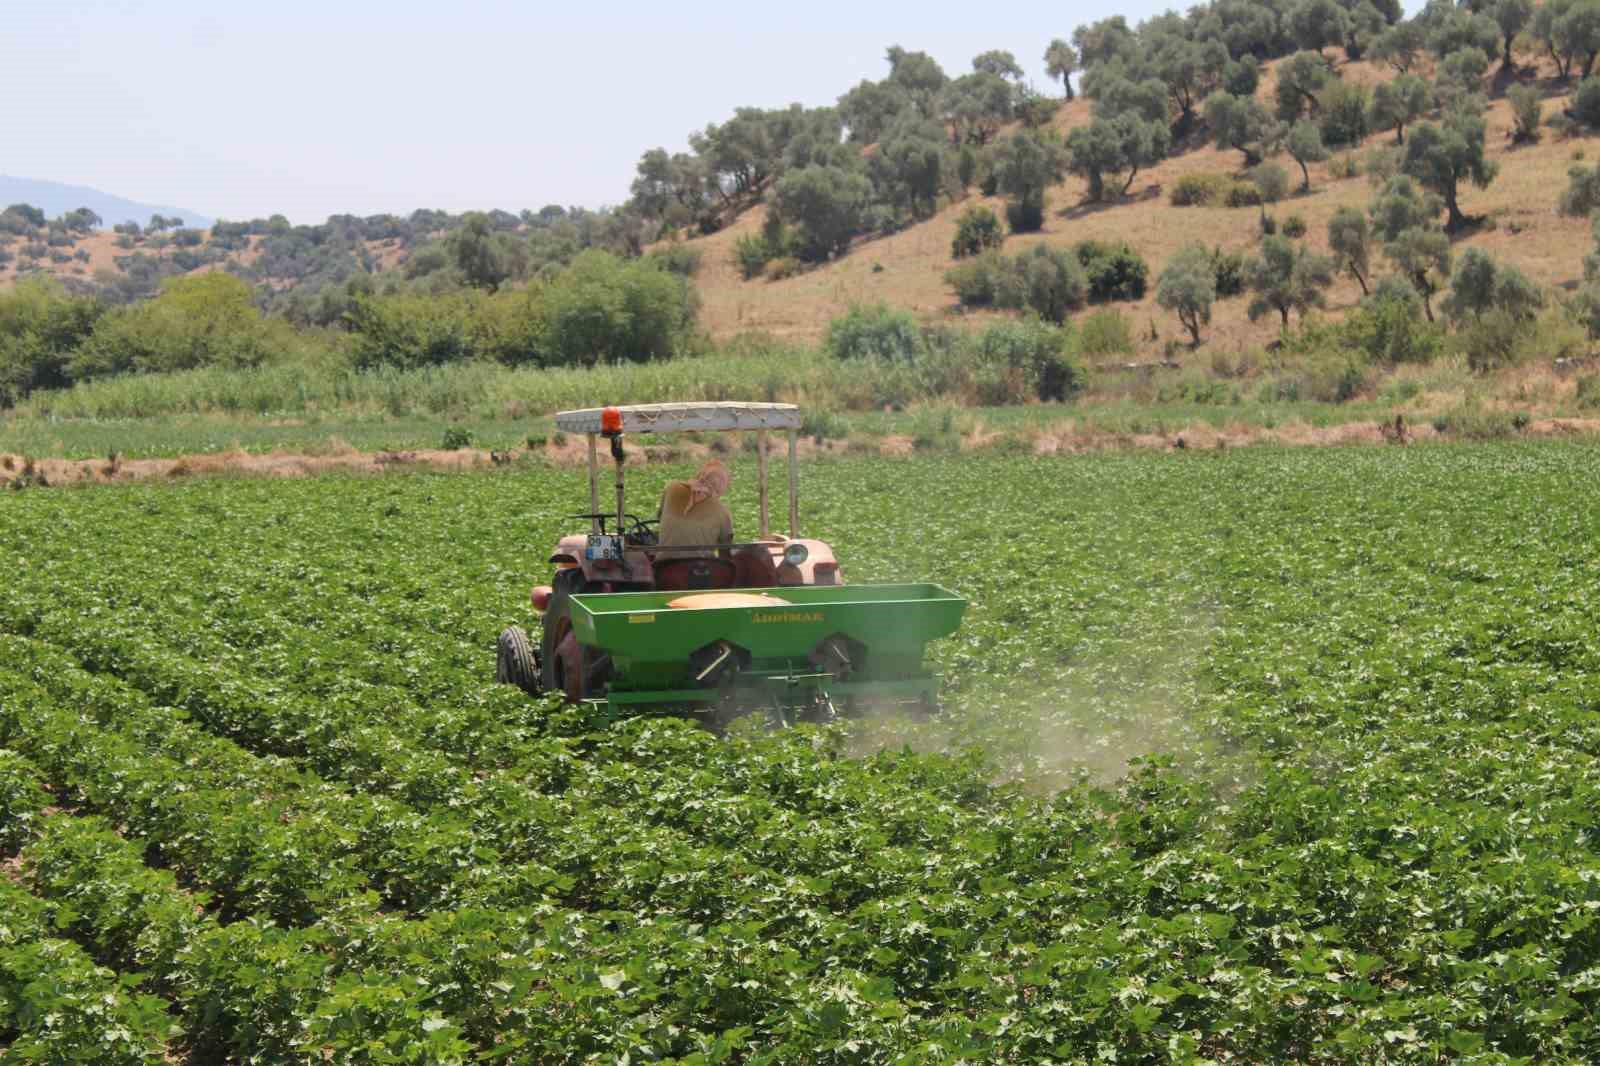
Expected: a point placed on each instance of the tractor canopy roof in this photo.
(679, 417)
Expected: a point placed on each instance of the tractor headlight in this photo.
(795, 554)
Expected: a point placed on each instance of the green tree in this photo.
(1103, 41)
(919, 77)
(41, 328)
(195, 321)
(1124, 144)
(1059, 62)
(976, 105)
(1024, 165)
(485, 258)
(1460, 28)
(977, 230)
(1286, 277)
(871, 108)
(1527, 111)
(1443, 155)
(1315, 24)
(1577, 32)
(1401, 45)
(1405, 218)
(1188, 287)
(1242, 125)
(1582, 196)
(1190, 69)
(910, 167)
(1511, 17)
(825, 206)
(1301, 78)
(1000, 63)
(1458, 81)
(1398, 103)
(605, 309)
(1350, 241)
(1479, 285)
(1304, 145)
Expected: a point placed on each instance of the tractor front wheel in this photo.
(516, 663)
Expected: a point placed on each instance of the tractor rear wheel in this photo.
(516, 663)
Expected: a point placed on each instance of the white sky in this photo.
(238, 110)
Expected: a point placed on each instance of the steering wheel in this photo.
(640, 531)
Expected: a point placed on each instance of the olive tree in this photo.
(1405, 218)
(1188, 287)
(1443, 155)
(1304, 144)
(1024, 165)
(1126, 143)
(1286, 277)
(1479, 285)
(1242, 125)
(824, 205)
(1350, 240)
(1059, 62)
(1398, 103)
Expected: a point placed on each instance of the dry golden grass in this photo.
(907, 269)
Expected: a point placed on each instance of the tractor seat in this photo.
(754, 569)
(674, 575)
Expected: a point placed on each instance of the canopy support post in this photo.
(594, 481)
(761, 481)
(794, 484)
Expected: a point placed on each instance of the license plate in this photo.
(603, 546)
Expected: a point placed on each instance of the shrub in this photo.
(1584, 107)
(1105, 332)
(1271, 180)
(1344, 165)
(784, 267)
(1243, 194)
(1344, 114)
(1050, 282)
(1026, 216)
(1390, 328)
(679, 259)
(876, 332)
(1527, 110)
(1200, 190)
(751, 254)
(604, 309)
(1587, 393)
(1114, 271)
(456, 438)
(977, 230)
(1490, 341)
(1228, 269)
(1582, 195)
(1022, 359)
(204, 320)
(1294, 226)
(41, 328)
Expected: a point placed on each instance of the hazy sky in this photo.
(241, 110)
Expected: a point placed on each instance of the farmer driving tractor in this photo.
(692, 513)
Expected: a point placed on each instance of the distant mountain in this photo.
(54, 198)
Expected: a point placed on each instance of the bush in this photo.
(679, 259)
(1271, 181)
(1228, 267)
(1389, 327)
(876, 332)
(604, 309)
(1294, 226)
(456, 438)
(1491, 341)
(1582, 195)
(204, 320)
(1345, 108)
(1527, 111)
(751, 254)
(1105, 332)
(1344, 165)
(784, 267)
(41, 328)
(1026, 216)
(1243, 194)
(1114, 271)
(1587, 393)
(1050, 282)
(1023, 359)
(977, 230)
(1585, 105)
(1201, 190)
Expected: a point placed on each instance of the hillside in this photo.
(907, 269)
(56, 198)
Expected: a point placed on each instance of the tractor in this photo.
(761, 625)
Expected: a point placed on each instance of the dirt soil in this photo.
(1069, 438)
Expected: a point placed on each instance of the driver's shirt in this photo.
(707, 522)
